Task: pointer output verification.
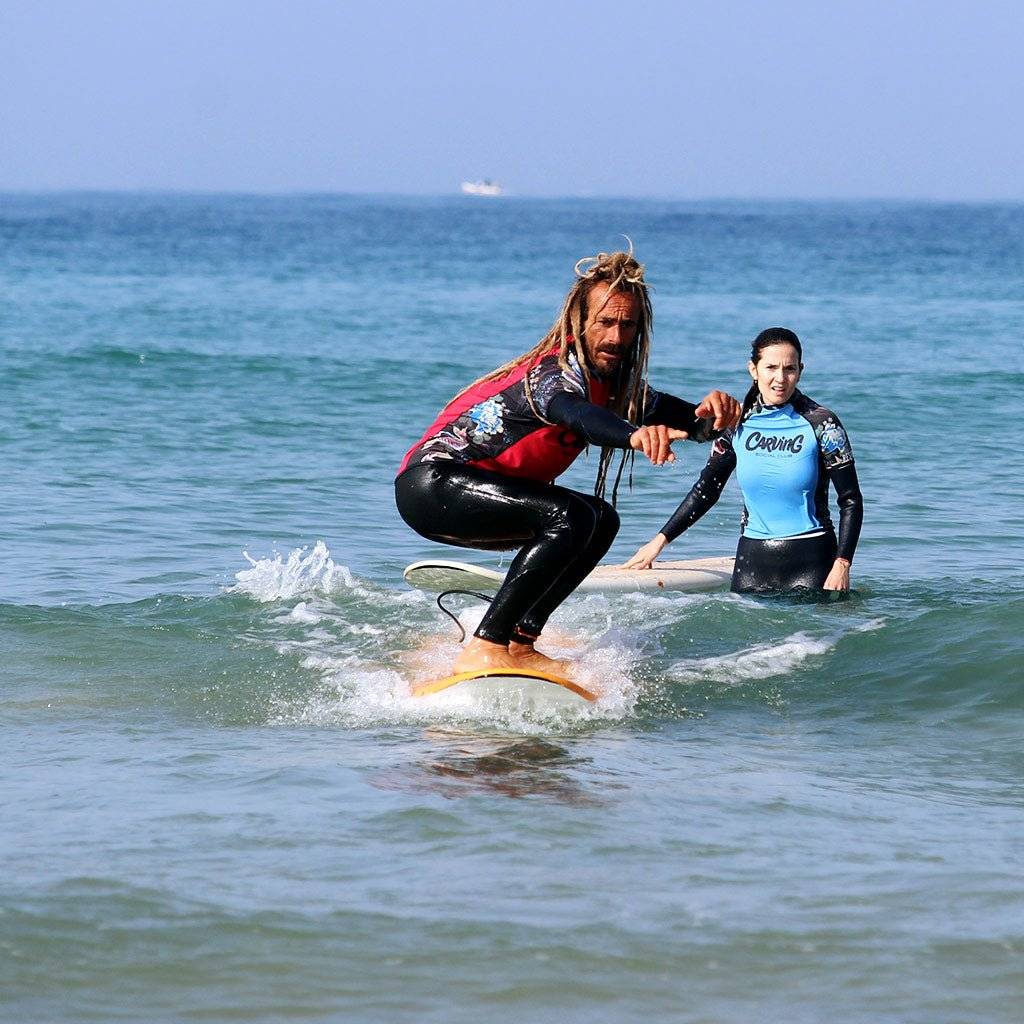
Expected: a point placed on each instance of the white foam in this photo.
(366, 686)
(761, 662)
(302, 612)
(645, 612)
(366, 670)
(765, 661)
(277, 578)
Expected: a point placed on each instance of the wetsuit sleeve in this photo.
(851, 507)
(837, 460)
(662, 408)
(593, 423)
(707, 490)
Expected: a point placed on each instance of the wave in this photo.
(300, 640)
(762, 662)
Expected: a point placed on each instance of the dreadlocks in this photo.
(621, 272)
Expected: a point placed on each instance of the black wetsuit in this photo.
(785, 456)
(481, 477)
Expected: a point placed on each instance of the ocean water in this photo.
(218, 802)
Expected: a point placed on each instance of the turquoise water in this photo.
(218, 802)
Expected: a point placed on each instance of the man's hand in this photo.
(839, 576)
(647, 554)
(656, 442)
(724, 408)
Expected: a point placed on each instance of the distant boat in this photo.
(482, 188)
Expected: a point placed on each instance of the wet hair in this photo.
(623, 274)
(770, 336)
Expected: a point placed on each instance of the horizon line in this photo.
(488, 200)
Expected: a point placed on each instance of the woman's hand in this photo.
(839, 577)
(647, 554)
(656, 442)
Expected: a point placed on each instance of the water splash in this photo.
(297, 575)
(366, 645)
(359, 691)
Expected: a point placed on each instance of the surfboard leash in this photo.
(451, 615)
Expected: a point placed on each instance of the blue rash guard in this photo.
(785, 456)
(777, 456)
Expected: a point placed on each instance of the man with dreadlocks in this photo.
(481, 476)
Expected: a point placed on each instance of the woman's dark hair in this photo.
(770, 336)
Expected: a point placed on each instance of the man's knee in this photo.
(609, 517)
(607, 524)
(592, 520)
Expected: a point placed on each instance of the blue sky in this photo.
(700, 99)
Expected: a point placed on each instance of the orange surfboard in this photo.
(496, 683)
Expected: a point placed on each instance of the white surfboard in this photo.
(698, 575)
(496, 687)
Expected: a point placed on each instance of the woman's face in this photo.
(776, 373)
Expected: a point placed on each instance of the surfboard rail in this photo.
(432, 686)
(696, 575)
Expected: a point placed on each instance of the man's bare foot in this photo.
(526, 656)
(479, 655)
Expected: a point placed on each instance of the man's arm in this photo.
(600, 426)
(716, 412)
(595, 424)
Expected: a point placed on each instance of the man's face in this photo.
(610, 330)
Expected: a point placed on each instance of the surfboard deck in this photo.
(522, 685)
(697, 575)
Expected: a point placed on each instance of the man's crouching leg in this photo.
(595, 525)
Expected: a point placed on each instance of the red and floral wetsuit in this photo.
(482, 477)
(493, 426)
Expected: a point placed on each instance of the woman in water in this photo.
(786, 450)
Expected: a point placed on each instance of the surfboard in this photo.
(522, 686)
(698, 575)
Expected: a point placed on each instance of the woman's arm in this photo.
(706, 491)
(851, 517)
(702, 497)
(645, 556)
(836, 455)
(851, 508)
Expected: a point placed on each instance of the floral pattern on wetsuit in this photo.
(834, 444)
(450, 445)
(488, 418)
(833, 441)
(547, 381)
(498, 421)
